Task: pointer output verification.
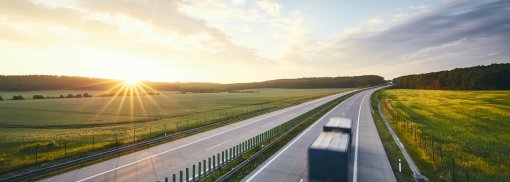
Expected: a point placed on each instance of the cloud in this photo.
(154, 30)
(375, 21)
(414, 11)
(457, 34)
(270, 6)
(239, 2)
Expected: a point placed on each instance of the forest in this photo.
(50, 82)
(490, 77)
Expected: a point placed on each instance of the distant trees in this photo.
(1, 98)
(61, 96)
(49, 82)
(299, 83)
(18, 97)
(38, 97)
(86, 95)
(46, 82)
(491, 77)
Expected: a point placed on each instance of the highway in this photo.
(162, 161)
(368, 158)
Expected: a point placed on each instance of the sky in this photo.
(243, 41)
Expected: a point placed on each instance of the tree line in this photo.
(490, 77)
(49, 82)
(20, 97)
(299, 83)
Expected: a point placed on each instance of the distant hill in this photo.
(48, 82)
(491, 77)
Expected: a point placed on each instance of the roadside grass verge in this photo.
(390, 147)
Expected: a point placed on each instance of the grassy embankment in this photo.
(453, 135)
(57, 128)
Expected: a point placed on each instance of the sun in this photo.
(131, 81)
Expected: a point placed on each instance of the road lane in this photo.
(161, 161)
(291, 162)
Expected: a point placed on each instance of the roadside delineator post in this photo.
(399, 166)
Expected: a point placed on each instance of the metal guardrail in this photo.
(110, 152)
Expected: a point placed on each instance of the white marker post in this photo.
(399, 166)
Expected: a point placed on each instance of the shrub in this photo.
(18, 97)
(38, 97)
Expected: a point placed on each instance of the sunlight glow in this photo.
(131, 81)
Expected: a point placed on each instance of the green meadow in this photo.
(42, 130)
(453, 135)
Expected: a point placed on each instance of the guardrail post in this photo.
(225, 159)
(238, 150)
(173, 178)
(222, 157)
(230, 154)
(199, 169)
(180, 176)
(194, 172)
(218, 157)
(242, 147)
(187, 174)
(166, 179)
(233, 152)
(209, 162)
(205, 169)
(214, 161)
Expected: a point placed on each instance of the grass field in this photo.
(47, 129)
(454, 135)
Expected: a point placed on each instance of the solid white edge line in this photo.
(131, 163)
(355, 170)
(294, 140)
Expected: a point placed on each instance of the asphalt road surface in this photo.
(368, 158)
(162, 161)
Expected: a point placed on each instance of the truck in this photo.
(329, 155)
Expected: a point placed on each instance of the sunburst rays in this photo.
(126, 96)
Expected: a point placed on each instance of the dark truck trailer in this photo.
(328, 157)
